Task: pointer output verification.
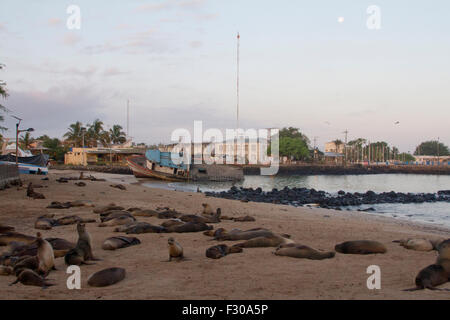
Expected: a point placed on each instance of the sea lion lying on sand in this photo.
(201, 219)
(264, 242)
(27, 262)
(33, 194)
(109, 207)
(145, 213)
(221, 250)
(60, 248)
(118, 186)
(68, 220)
(418, 244)
(30, 278)
(118, 221)
(47, 222)
(168, 214)
(244, 235)
(6, 271)
(109, 215)
(7, 238)
(172, 222)
(244, 219)
(5, 229)
(114, 243)
(69, 204)
(430, 277)
(189, 227)
(106, 277)
(300, 251)
(361, 247)
(140, 227)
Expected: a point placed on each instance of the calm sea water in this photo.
(437, 213)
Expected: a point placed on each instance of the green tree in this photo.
(4, 95)
(337, 144)
(294, 148)
(95, 132)
(75, 134)
(25, 141)
(294, 133)
(432, 148)
(406, 157)
(117, 136)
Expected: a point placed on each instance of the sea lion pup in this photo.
(244, 219)
(418, 244)
(5, 229)
(214, 233)
(140, 227)
(189, 227)
(6, 271)
(7, 238)
(106, 277)
(45, 255)
(109, 215)
(430, 277)
(172, 222)
(45, 222)
(264, 242)
(118, 221)
(118, 186)
(31, 263)
(108, 207)
(144, 213)
(244, 235)
(361, 247)
(58, 205)
(201, 219)
(83, 249)
(168, 214)
(221, 250)
(30, 278)
(114, 243)
(65, 221)
(175, 250)
(300, 251)
(33, 194)
(207, 209)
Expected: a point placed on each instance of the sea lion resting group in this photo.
(31, 259)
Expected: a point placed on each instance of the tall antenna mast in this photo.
(128, 119)
(237, 84)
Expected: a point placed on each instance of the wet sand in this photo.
(254, 274)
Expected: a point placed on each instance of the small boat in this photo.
(160, 165)
(28, 165)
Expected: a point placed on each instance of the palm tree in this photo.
(75, 134)
(95, 132)
(337, 144)
(117, 135)
(25, 141)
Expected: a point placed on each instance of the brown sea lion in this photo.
(168, 214)
(83, 249)
(81, 203)
(172, 222)
(28, 262)
(118, 221)
(189, 227)
(45, 255)
(244, 219)
(6, 271)
(109, 215)
(430, 277)
(80, 184)
(33, 194)
(207, 209)
(60, 248)
(118, 186)
(106, 277)
(214, 233)
(58, 205)
(44, 223)
(7, 238)
(300, 251)
(175, 250)
(145, 213)
(114, 243)
(108, 207)
(244, 235)
(264, 242)
(360, 247)
(443, 249)
(140, 227)
(221, 250)
(30, 278)
(418, 244)
(69, 220)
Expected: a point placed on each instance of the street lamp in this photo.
(17, 137)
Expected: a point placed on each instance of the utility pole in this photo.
(438, 151)
(345, 146)
(128, 119)
(237, 82)
(315, 147)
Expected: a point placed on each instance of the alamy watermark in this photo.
(74, 20)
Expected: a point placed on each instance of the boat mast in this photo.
(237, 83)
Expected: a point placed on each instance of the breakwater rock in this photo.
(303, 196)
(95, 168)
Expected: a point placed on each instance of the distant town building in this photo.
(332, 147)
(93, 156)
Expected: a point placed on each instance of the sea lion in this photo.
(144, 213)
(81, 203)
(58, 205)
(175, 250)
(140, 227)
(172, 222)
(28, 262)
(264, 242)
(106, 277)
(9, 237)
(360, 247)
(189, 227)
(30, 278)
(80, 184)
(430, 277)
(118, 221)
(60, 248)
(244, 219)
(300, 251)
(118, 186)
(5, 229)
(45, 222)
(214, 233)
(221, 250)
(168, 214)
(83, 249)
(114, 243)
(108, 207)
(418, 244)
(200, 219)
(244, 235)
(207, 209)
(33, 194)
(6, 271)
(68, 220)
(443, 249)
(109, 215)
(45, 255)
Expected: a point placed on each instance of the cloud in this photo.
(207, 17)
(2, 27)
(90, 71)
(196, 44)
(191, 4)
(156, 6)
(71, 39)
(54, 21)
(113, 72)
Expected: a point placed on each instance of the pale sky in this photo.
(309, 64)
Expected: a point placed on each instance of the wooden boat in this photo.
(140, 170)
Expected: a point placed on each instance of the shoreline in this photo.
(253, 274)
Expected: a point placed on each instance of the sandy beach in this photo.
(253, 274)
